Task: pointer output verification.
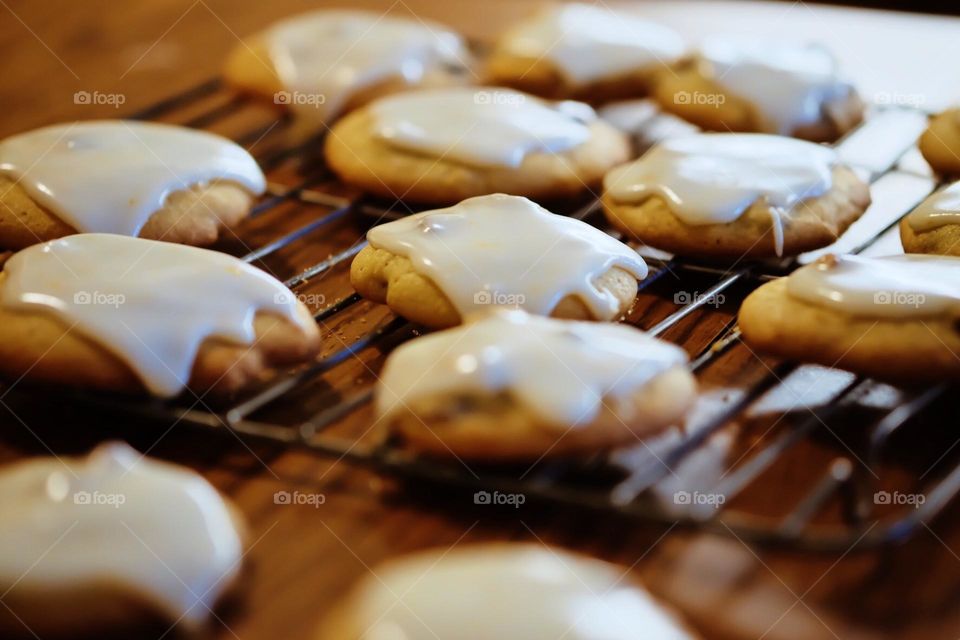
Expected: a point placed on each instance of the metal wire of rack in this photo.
(880, 150)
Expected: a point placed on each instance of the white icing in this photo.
(326, 57)
(482, 127)
(110, 176)
(561, 370)
(588, 42)
(941, 208)
(155, 529)
(713, 178)
(893, 287)
(522, 591)
(150, 303)
(788, 83)
(506, 250)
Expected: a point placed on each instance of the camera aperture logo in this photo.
(115, 100)
(299, 498)
(696, 498)
(99, 298)
(497, 498)
(914, 500)
(299, 99)
(98, 498)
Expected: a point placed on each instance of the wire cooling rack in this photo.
(849, 493)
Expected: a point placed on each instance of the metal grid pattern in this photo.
(881, 150)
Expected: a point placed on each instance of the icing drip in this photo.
(790, 84)
(940, 209)
(150, 303)
(588, 42)
(508, 251)
(110, 176)
(526, 592)
(713, 178)
(890, 287)
(481, 127)
(326, 57)
(560, 370)
(152, 528)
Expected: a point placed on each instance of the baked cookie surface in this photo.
(893, 318)
(763, 87)
(132, 315)
(526, 591)
(934, 226)
(323, 63)
(940, 143)
(111, 540)
(584, 52)
(438, 267)
(510, 386)
(732, 196)
(443, 146)
(156, 181)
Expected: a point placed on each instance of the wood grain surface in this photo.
(301, 558)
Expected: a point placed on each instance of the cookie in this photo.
(155, 181)
(126, 314)
(525, 591)
(442, 146)
(763, 87)
(440, 266)
(730, 196)
(583, 52)
(509, 386)
(110, 540)
(323, 63)
(934, 226)
(940, 143)
(895, 318)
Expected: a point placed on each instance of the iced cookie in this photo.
(511, 386)
(895, 318)
(126, 314)
(940, 143)
(731, 196)
(437, 267)
(934, 226)
(763, 86)
(524, 591)
(155, 181)
(445, 145)
(323, 63)
(586, 52)
(91, 544)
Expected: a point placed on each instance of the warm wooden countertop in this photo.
(303, 558)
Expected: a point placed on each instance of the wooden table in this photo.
(302, 558)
